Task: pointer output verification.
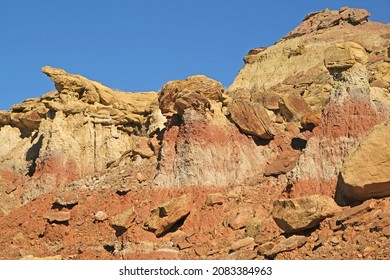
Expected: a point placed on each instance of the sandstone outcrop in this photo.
(346, 119)
(201, 146)
(302, 54)
(72, 132)
(195, 89)
(198, 172)
(327, 18)
(366, 170)
(297, 214)
(164, 217)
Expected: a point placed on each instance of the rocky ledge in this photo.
(291, 161)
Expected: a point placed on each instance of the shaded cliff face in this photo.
(262, 170)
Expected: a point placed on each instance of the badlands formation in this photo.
(291, 161)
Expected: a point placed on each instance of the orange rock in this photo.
(207, 88)
(293, 107)
(311, 120)
(251, 118)
(297, 214)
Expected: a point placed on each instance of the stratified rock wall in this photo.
(87, 172)
(366, 170)
(72, 132)
(201, 147)
(346, 119)
(329, 75)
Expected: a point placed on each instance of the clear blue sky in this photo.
(140, 45)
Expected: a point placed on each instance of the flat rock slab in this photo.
(58, 217)
(288, 244)
(122, 221)
(284, 163)
(293, 107)
(251, 118)
(67, 199)
(245, 242)
(162, 218)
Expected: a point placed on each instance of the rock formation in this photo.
(291, 161)
(349, 115)
(298, 214)
(200, 146)
(71, 133)
(366, 170)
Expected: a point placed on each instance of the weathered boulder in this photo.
(31, 120)
(100, 216)
(366, 170)
(238, 218)
(143, 148)
(344, 55)
(195, 90)
(251, 118)
(5, 117)
(293, 107)
(191, 100)
(122, 221)
(284, 163)
(380, 74)
(251, 56)
(67, 199)
(297, 214)
(271, 100)
(162, 218)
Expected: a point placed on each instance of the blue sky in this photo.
(140, 45)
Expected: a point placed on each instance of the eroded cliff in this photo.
(289, 162)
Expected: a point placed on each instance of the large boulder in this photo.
(162, 218)
(366, 170)
(199, 88)
(344, 55)
(251, 118)
(297, 214)
(293, 107)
